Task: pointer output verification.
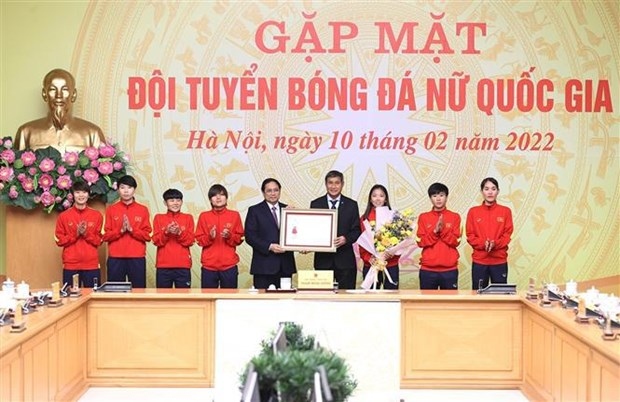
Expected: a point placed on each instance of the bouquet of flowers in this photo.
(391, 232)
(44, 177)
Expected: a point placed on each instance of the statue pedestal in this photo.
(31, 251)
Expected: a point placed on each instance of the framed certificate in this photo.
(308, 229)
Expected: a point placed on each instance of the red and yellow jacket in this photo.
(439, 251)
(173, 250)
(79, 252)
(489, 222)
(128, 244)
(219, 254)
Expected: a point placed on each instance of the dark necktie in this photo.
(275, 215)
(334, 204)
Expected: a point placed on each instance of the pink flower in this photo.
(58, 199)
(107, 150)
(91, 153)
(8, 155)
(115, 186)
(21, 176)
(47, 165)
(61, 169)
(28, 184)
(66, 204)
(94, 163)
(8, 143)
(105, 168)
(28, 158)
(71, 158)
(47, 198)
(6, 174)
(13, 192)
(118, 166)
(32, 171)
(37, 199)
(46, 181)
(77, 173)
(64, 182)
(70, 197)
(91, 176)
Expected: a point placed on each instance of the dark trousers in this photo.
(127, 269)
(346, 278)
(179, 277)
(382, 279)
(261, 281)
(87, 277)
(481, 274)
(444, 280)
(226, 279)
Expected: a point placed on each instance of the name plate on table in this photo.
(315, 280)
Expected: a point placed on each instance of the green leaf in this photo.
(84, 162)
(99, 187)
(26, 202)
(111, 196)
(49, 152)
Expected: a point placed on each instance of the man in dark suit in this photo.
(270, 262)
(342, 262)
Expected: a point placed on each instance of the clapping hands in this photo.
(81, 228)
(173, 228)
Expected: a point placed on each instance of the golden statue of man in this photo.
(59, 128)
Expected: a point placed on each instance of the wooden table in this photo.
(444, 339)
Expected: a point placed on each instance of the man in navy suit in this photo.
(270, 261)
(342, 262)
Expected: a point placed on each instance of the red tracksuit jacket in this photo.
(129, 244)
(439, 251)
(489, 223)
(219, 254)
(79, 252)
(173, 250)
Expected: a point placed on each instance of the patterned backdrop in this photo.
(558, 166)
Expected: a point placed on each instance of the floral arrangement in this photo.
(44, 177)
(391, 232)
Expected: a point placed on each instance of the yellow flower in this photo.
(394, 232)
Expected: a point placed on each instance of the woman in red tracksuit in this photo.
(488, 228)
(219, 232)
(378, 197)
(173, 234)
(439, 235)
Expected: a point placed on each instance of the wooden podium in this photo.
(31, 251)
